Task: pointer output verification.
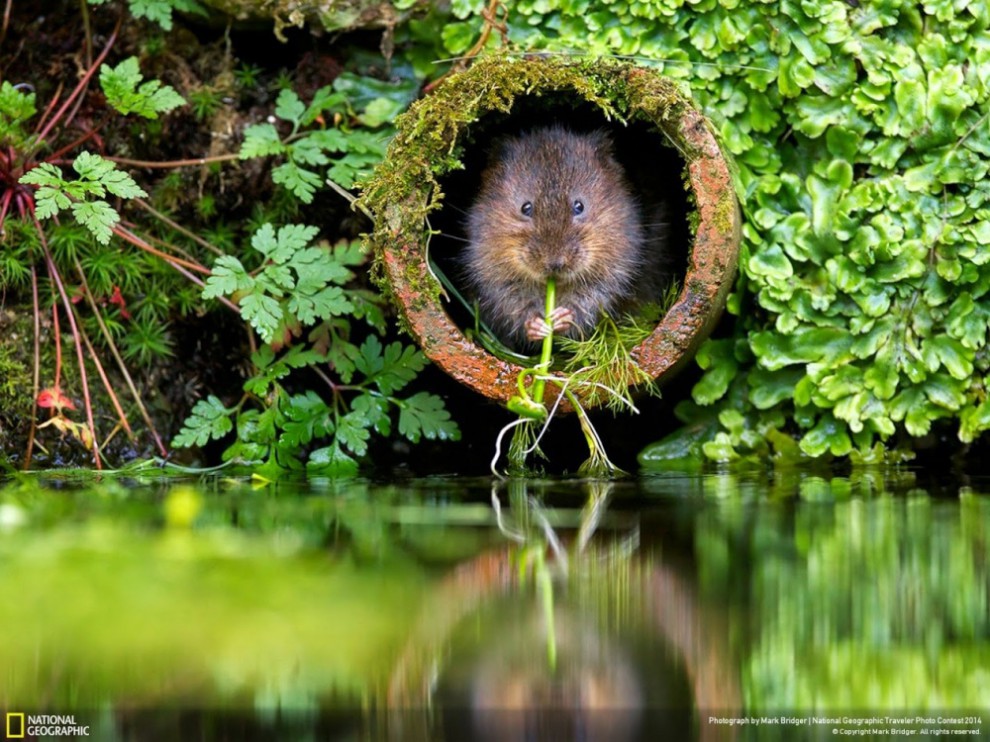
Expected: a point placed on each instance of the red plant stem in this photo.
(176, 226)
(120, 361)
(159, 242)
(69, 147)
(58, 348)
(129, 236)
(106, 383)
(53, 272)
(6, 20)
(8, 196)
(37, 367)
(48, 109)
(152, 164)
(80, 87)
(174, 263)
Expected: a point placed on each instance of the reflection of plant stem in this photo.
(593, 512)
(545, 585)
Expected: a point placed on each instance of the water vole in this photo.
(555, 203)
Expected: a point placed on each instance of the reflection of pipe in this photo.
(700, 641)
(458, 595)
(404, 190)
(696, 638)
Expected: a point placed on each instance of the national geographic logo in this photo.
(15, 726)
(39, 726)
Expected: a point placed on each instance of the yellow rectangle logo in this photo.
(15, 726)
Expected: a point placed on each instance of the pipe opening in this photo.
(653, 168)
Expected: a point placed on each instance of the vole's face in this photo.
(552, 204)
(552, 221)
(552, 185)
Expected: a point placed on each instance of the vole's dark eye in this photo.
(577, 207)
(527, 209)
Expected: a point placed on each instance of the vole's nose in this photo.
(556, 264)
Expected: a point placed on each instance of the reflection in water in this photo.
(513, 691)
(346, 610)
(600, 647)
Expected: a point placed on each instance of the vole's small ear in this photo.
(498, 148)
(601, 140)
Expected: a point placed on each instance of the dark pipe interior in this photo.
(654, 169)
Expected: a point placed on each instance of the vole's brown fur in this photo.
(582, 227)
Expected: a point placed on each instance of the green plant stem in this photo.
(547, 349)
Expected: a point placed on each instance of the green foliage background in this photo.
(861, 139)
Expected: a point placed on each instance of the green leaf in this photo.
(98, 217)
(16, 105)
(45, 174)
(952, 355)
(227, 278)
(308, 150)
(97, 176)
(325, 98)
(307, 417)
(348, 170)
(769, 388)
(300, 182)
(283, 246)
(682, 448)
(424, 414)
(289, 107)
(771, 263)
(264, 313)
(381, 111)
(458, 37)
(261, 140)
(391, 369)
(353, 433)
(91, 166)
(804, 345)
(209, 419)
(120, 85)
(974, 421)
(375, 410)
(160, 11)
(48, 201)
(828, 436)
(332, 461)
(328, 302)
(104, 172)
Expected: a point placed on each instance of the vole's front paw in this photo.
(538, 328)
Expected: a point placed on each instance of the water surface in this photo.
(792, 606)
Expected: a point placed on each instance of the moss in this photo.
(16, 384)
